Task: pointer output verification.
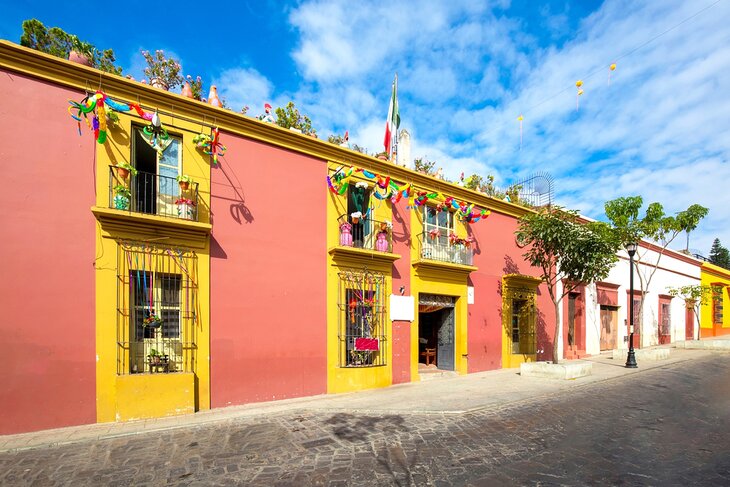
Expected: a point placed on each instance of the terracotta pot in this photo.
(184, 185)
(213, 97)
(77, 57)
(187, 91)
(123, 172)
(355, 219)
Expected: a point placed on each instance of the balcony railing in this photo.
(365, 233)
(440, 249)
(153, 194)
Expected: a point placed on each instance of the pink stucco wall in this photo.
(47, 328)
(495, 255)
(268, 274)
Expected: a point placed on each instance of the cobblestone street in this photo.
(666, 426)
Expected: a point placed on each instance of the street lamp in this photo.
(631, 359)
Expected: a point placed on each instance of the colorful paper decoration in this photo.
(339, 181)
(520, 119)
(578, 85)
(611, 68)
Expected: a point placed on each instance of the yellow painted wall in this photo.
(348, 379)
(709, 274)
(143, 396)
(113, 399)
(447, 280)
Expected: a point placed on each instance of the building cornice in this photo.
(59, 71)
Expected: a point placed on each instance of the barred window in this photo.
(361, 303)
(156, 309)
(717, 312)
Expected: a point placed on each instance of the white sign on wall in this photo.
(402, 308)
(470, 295)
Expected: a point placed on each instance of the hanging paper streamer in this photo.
(578, 85)
(611, 69)
(520, 119)
(385, 187)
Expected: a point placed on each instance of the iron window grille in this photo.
(361, 302)
(157, 302)
(717, 311)
(435, 243)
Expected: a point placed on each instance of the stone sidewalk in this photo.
(454, 396)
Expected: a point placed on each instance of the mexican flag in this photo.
(393, 121)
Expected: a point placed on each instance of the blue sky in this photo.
(467, 70)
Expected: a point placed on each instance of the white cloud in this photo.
(468, 69)
(244, 87)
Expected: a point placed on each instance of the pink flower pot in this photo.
(381, 244)
(346, 235)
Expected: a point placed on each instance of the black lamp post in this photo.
(631, 359)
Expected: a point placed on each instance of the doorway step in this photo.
(430, 372)
(572, 353)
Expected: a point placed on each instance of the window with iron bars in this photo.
(157, 300)
(361, 303)
(717, 311)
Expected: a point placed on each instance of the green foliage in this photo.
(421, 164)
(566, 251)
(336, 139)
(289, 117)
(719, 255)
(167, 71)
(513, 193)
(122, 190)
(475, 182)
(694, 292)
(196, 86)
(128, 167)
(57, 42)
(655, 224)
(360, 149)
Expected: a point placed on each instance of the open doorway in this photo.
(436, 332)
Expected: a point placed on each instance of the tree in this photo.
(289, 117)
(566, 252)
(719, 255)
(423, 165)
(56, 42)
(656, 226)
(474, 181)
(690, 218)
(695, 296)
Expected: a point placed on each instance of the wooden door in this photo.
(445, 352)
(665, 322)
(689, 324)
(609, 327)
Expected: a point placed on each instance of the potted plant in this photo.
(122, 196)
(184, 180)
(152, 320)
(162, 72)
(185, 208)
(81, 52)
(383, 156)
(123, 170)
(355, 217)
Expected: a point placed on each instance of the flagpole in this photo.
(395, 143)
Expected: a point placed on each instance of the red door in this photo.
(665, 321)
(689, 324)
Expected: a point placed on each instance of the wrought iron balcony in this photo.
(153, 194)
(365, 233)
(441, 249)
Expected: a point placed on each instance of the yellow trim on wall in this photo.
(348, 379)
(120, 397)
(512, 285)
(712, 274)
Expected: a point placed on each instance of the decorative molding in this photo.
(443, 270)
(355, 257)
(520, 280)
(124, 224)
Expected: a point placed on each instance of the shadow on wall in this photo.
(238, 209)
(216, 251)
(510, 266)
(544, 345)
